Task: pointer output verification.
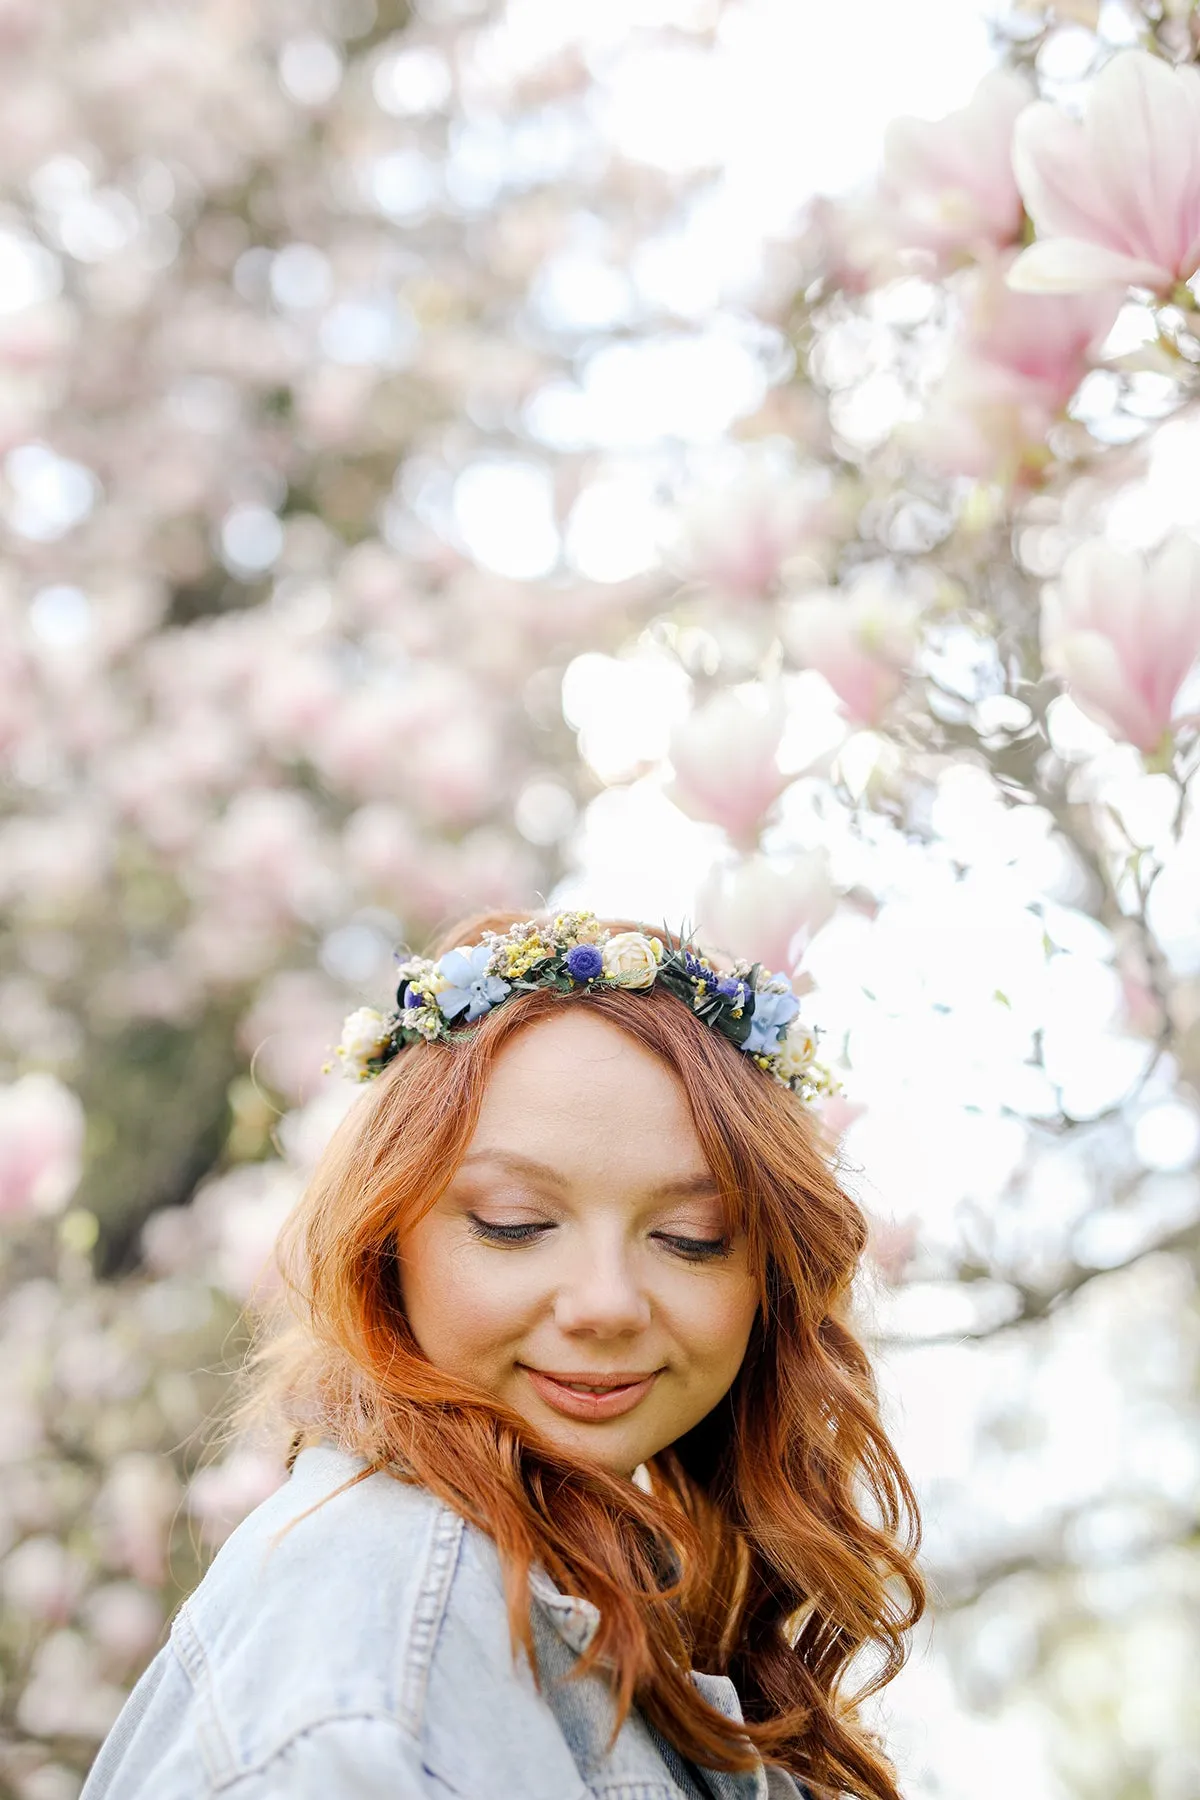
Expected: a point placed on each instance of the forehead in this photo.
(575, 1090)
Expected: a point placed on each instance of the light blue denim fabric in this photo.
(366, 1656)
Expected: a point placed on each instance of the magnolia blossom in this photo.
(836, 1115)
(853, 240)
(1115, 197)
(125, 1622)
(950, 181)
(1018, 361)
(891, 1245)
(285, 1034)
(767, 911)
(220, 1496)
(736, 536)
(133, 1514)
(1123, 634)
(65, 1695)
(724, 756)
(264, 863)
(43, 1579)
(244, 1213)
(862, 641)
(41, 1145)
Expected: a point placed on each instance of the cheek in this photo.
(458, 1304)
(715, 1319)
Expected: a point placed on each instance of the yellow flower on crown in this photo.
(574, 954)
(519, 958)
(572, 928)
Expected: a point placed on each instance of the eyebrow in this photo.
(682, 1188)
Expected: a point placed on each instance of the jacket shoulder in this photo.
(322, 1604)
(349, 1616)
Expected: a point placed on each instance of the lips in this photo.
(621, 1395)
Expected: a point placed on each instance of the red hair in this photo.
(785, 1514)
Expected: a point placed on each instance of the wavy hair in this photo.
(776, 1541)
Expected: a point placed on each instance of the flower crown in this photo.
(754, 1010)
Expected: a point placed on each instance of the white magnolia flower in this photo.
(631, 959)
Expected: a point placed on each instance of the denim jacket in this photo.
(366, 1656)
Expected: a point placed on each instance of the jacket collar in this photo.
(576, 1620)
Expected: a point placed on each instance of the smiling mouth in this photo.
(591, 1397)
(595, 1384)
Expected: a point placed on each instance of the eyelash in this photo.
(690, 1249)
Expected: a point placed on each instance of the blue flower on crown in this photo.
(772, 1015)
(472, 990)
(584, 963)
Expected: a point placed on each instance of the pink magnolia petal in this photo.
(1099, 684)
(1143, 132)
(766, 911)
(866, 688)
(1124, 634)
(1043, 341)
(1060, 190)
(950, 181)
(1125, 181)
(1095, 587)
(1166, 653)
(1065, 265)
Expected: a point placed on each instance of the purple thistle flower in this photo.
(584, 962)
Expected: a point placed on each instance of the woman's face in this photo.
(583, 1241)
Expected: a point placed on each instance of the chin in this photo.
(619, 1456)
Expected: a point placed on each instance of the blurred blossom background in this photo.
(723, 459)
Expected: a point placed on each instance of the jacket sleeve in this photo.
(357, 1758)
(782, 1786)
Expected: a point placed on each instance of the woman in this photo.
(589, 1493)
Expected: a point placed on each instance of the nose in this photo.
(601, 1294)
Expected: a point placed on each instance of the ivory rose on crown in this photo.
(1123, 635)
(1114, 196)
(631, 959)
(724, 754)
(363, 1036)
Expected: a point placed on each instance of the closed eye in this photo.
(691, 1249)
(504, 1234)
(695, 1249)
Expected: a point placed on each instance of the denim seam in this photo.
(215, 1749)
(432, 1599)
(224, 1783)
(636, 1790)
